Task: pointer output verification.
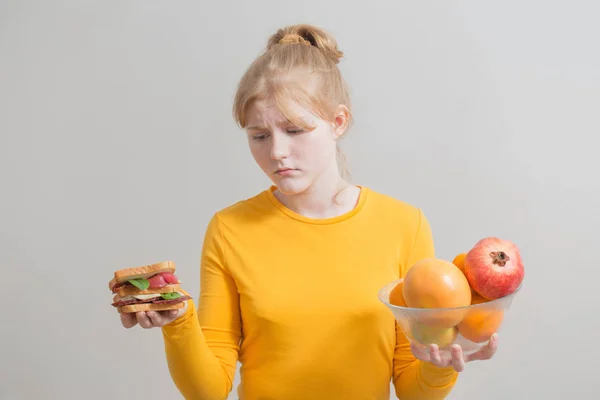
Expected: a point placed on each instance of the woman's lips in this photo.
(285, 171)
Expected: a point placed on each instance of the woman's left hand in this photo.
(457, 360)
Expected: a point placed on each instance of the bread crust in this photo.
(132, 308)
(145, 271)
(132, 290)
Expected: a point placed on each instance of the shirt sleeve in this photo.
(415, 379)
(202, 346)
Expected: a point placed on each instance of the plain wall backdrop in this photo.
(117, 145)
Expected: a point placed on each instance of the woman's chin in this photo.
(291, 186)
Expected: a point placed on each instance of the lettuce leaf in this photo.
(141, 284)
(170, 296)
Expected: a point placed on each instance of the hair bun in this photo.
(294, 38)
(308, 35)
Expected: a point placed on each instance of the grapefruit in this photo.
(437, 283)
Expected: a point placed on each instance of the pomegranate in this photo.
(494, 267)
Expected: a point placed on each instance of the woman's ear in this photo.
(341, 121)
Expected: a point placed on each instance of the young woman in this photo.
(289, 277)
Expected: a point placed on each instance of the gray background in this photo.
(116, 131)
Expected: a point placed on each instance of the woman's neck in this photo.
(328, 197)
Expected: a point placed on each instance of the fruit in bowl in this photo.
(481, 322)
(435, 283)
(460, 302)
(427, 334)
(459, 261)
(397, 296)
(494, 267)
(475, 323)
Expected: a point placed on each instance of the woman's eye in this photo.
(294, 131)
(259, 137)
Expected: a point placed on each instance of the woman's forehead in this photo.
(267, 112)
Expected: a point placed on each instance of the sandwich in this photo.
(151, 287)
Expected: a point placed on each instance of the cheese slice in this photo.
(143, 296)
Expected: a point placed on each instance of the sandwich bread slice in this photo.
(149, 287)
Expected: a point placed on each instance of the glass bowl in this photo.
(469, 326)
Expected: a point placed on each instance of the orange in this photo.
(396, 297)
(459, 261)
(480, 323)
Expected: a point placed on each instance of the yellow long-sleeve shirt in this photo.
(294, 299)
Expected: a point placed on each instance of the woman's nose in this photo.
(280, 146)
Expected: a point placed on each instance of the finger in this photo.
(490, 349)
(172, 314)
(434, 355)
(128, 320)
(157, 318)
(169, 316)
(458, 362)
(494, 342)
(418, 352)
(487, 351)
(143, 320)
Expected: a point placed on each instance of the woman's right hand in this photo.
(151, 319)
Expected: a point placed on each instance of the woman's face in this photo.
(294, 158)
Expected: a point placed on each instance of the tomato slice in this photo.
(157, 281)
(169, 278)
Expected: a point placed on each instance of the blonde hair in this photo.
(299, 64)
